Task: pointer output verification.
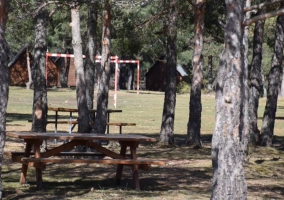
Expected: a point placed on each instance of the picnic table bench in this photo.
(73, 122)
(37, 159)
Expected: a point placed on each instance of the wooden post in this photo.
(28, 84)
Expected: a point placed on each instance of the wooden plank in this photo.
(104, 150)
(37, 155)
(61, 148)
(100, 161)
(60, 122)
(120, 124)
(80, 136)
(18, 158)
(135, 168)
(61, 109)
(25, 167)
(120, 167)
(71, 153)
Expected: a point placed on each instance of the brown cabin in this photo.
(19, 75)
(71, 74)
(156, 76)
(18, 66)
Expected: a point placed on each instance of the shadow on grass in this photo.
(11, 117)
(67, 182)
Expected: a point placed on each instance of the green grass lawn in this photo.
(186, 176)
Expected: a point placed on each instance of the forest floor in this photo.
(187, 174)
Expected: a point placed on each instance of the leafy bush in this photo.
(183, 87)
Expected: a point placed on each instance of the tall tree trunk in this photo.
(256, 79)
(91, 54)
(39, 73)
(282, 84)
(263, 85)
(244, 78)
(64, 66)
(83, 113)
(4, 82)
(195, 106)
(130, 85)
(28, 84)
(104, 74)
(210, 74)
(98, 66)
(167, 127)
(273, 84)
(230, 137)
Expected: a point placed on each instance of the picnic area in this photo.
(186, 175)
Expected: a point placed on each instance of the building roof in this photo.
(181, 70)
(15, 58)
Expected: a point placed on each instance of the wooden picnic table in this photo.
(75, 110)
(35, 158)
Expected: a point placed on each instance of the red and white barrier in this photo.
(114, 59)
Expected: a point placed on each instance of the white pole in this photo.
(115, 82)
(138, 76)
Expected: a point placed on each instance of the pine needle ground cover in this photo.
(187, 175)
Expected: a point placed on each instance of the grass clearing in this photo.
(186, 176)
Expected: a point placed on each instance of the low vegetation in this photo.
(187, 174)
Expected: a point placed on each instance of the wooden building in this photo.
(156, 76)
(19, 70)
(71, 74)
(19, 74)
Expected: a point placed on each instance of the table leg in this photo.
(70, 128)
(55, 128)
(38, 170)
(120, 167)
(25, 166)
(108, 115)
(135, 174)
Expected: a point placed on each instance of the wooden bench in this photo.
(74, 122)
(142, 163)
(41, 162)
(120, 125)
(71, 153)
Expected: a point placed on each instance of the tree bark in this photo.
(39, 73)
(273, 84)
(64, 66)
(167, 126)
(104, 73)
(4, 81)
(195, 106)
(83, 113)
(256, 79)
(130, 83)
(28, 84)
(91, 54)
(282, 84)
(230, 136)
(210, 74)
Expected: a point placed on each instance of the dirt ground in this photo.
(187, 175)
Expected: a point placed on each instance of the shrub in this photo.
(183, 87)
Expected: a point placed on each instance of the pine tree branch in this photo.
(262, 17)
(260, 6)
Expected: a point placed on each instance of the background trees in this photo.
(167, 127)
(39, 70)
